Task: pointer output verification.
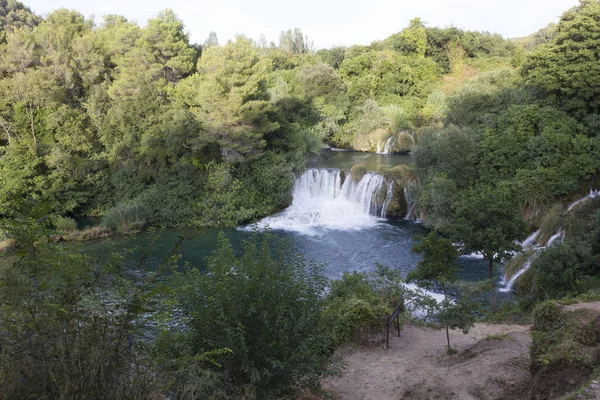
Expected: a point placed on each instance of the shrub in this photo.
(359, 303)
(564, 348)
(126, 217)
(264, 305)
(65, 224)
(67, 339)
(563, 270)
(547, 317)
(89, 233)
(397, 118)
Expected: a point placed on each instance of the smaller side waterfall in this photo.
(530, 241)
(387, 147)
(511, 283)
(591, 195)
(530, 244)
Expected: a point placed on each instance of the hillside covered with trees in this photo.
(108, 116)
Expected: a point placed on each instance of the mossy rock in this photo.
(398, 207)
(401, 175)
(357, 172)
(404, 143)
(380, 196)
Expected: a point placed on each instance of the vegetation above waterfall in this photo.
(87, 126)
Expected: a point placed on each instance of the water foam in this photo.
(323, 200)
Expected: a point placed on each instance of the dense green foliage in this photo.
(563, 348)
(264, 306)
(63, 335)
(359, 303)
(514, 143)
(97, 116)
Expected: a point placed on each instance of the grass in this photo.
(126, 218)
(582, 298)
(89, 233)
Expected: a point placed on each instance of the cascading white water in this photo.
(530, 244)
(387, 147)
(410, 205)
(321, 201)
(591, 195)
(511, 283)
(530, 241)
(388, 198)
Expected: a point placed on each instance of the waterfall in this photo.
(530, 241)
(591, 195)
(387, 147)
(531, 245)
(322, 201)
(410, 205)
(511, 283)
(388, 198)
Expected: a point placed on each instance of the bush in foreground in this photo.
(265, 306)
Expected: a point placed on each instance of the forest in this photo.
(140, 129)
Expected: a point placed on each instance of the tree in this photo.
(230, 100)
(412, 41)
(14, 15)
(211, 41)
(568, 67)
(295, 42)
(439, 265)
(488, 222)
(169, 45)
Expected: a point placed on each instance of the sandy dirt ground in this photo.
(416, 366)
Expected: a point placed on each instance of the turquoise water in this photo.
(389, 244)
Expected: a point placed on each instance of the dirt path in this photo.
(417, 367)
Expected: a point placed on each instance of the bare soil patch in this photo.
(417, 367)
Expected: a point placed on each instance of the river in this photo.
(332, 223)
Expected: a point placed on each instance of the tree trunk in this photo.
(492, 284)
